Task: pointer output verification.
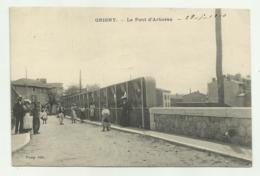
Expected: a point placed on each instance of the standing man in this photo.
(36, 116)
(125, 112)
(19, 114)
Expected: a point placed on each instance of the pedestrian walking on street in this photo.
(18, 112)
(125, 111)
(61, 114)
(82, 114)
(92, 111)
(105, 118)
(36, 116)
(73, 113)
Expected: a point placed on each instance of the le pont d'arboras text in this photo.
(158, 19)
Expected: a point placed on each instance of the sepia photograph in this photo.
(130, 87)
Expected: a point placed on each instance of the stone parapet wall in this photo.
(232, 125)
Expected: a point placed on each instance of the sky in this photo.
(56, 43)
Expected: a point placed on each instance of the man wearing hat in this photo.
(125, 111)
(19, 114)
(36, 116)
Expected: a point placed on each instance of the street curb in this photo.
(201, 148)
(27, 139)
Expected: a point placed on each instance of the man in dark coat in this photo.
(125, 112)
(36, 117)
(19, 114)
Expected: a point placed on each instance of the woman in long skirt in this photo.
(73, 113)
(27, 119)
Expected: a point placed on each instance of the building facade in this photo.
(176, 98)
(195, 97)
(237, 91)
(163, 98)
(37, 89)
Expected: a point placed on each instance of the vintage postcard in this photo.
(130, 87)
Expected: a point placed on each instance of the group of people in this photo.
(61, 113)
(74, 109)
(106, 122)
(105, 115)
(23, 110)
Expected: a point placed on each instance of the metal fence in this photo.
(141, 95)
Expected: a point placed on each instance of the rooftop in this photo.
(55, 85)
(177, 96)
(163, 90)
(35, 83)
(196, 92)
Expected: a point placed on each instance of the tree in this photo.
(53, 98)
(92, 87)
(73, 89)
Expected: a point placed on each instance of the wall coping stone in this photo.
(233, 112)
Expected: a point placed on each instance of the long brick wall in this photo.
(232, 125)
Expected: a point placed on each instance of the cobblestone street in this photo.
(86, 145)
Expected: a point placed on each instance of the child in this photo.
(44, 116)
(105, 118)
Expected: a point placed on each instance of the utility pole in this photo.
(220, 81)
(26, 89)
(25, 72)
(80, 84)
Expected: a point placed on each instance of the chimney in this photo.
(80, 81)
